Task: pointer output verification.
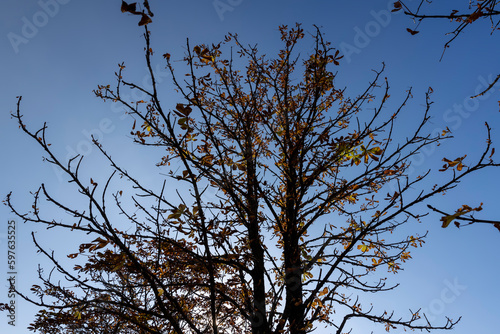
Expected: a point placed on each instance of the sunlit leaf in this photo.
(363, 248)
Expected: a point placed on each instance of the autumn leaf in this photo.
(413, 32)
(146, 5)
(131, 8)
(446, 131)
(174, 215)
(397, 6)
(101, 243)
(145, 19)
(474, 16)
(363, 248)
(177, 213)
(497, 225)
(448, 219)
(460, 212)
(119, 265)
(182, 122)
(307, 275)
(323, 292)
(392, 197)
(182, 111)
(452, 163)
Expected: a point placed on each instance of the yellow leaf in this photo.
(363, 248)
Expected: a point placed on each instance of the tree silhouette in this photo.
(310, 187)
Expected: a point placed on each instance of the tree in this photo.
(300, 219)
(462, 17)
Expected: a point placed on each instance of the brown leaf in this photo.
(182, 111)
(397, 6)
(413, 32)
(131, 8)
(146, 5)
(474, 16)
(497, 225)
(145, 20)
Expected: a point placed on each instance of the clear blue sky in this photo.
(54, 56)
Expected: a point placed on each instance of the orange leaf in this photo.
(323, 292)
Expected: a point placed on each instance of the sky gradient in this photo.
(55, 52)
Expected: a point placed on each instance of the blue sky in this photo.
(55, 55)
